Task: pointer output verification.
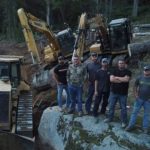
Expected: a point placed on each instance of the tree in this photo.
(47, 11)
(135, 8)
(10, 22)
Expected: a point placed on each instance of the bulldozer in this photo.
(15, 97)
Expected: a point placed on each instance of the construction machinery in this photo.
(108, 40)
(52, 44)
(15, 97)
(50, 47)
(94, 35)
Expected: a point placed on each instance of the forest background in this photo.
(56, 12)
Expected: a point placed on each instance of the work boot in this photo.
(71, 111)
(88, 113)
(145, 131)
(107, 120)
(129, 128)
(123, 125)
(60, 109)
(80, 113)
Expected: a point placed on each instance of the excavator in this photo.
(94, 35)
(52, 46)
(108, 40)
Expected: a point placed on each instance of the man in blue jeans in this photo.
(102, 87)
(92, 68)
(60, 72)
(76, 75)
(119, 79)
(142, 95)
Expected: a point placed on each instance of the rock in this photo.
(70, 132)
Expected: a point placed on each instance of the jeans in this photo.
(137, 106)
(75, 96)
(60, 88)
(101, 95)
(88, 103)
(113, 98)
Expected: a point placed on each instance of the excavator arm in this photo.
(43, 27)
(85, 26)
(29, 38)
(79, 45)
(27, 21)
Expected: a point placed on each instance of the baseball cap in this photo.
(60, 57)
(105, 60)
(147, 67)
(93, 54)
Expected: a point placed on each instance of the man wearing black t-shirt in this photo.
(102, 87)
(60, 72)
(119, 79)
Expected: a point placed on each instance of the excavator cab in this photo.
(119, 34)
(66, 40)
(10, 71)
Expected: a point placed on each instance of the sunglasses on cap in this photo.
(61, 58)
(146, 69)
(94, 55)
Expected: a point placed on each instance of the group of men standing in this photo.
(105, 85)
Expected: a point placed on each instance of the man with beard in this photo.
(60, 72)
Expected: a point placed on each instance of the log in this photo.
(138, 48)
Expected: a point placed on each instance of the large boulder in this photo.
(70, 132)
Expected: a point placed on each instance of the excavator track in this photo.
(24, 125)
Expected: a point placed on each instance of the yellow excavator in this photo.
(108, 40)
(54, 45)
(93, 35)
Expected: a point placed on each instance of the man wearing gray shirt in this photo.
(142, 95)
(92, 68)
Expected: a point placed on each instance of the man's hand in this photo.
(59, 83)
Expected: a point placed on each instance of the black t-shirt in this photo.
(144, 87)
(92, 67)
(120, 88)
(102, 76)
(61, 72)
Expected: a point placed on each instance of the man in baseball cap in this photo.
(105, 60)
(142, 95)
(147, 68)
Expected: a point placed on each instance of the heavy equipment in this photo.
(15, 97)
(93, 35)
(109, 40)
(52, 46)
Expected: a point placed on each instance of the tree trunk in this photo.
(48, 12)
(106, 8)
(110, 8)
(138, 48)
(135, 8)
(62, 14)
